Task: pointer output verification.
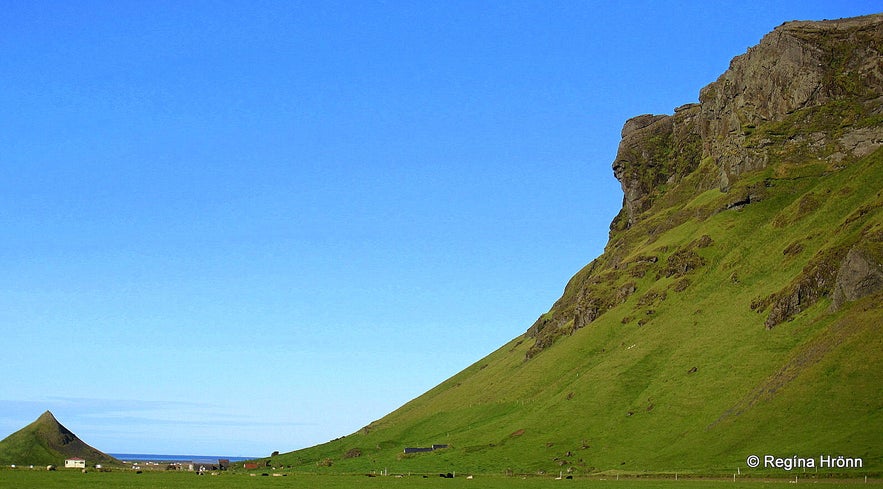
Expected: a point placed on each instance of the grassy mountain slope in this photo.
(47, 442)
(736, 309)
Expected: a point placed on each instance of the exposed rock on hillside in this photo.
(808, 92)
(797, 66)
(860, 274)
(656, 150)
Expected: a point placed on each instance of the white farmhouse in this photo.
(74, 463)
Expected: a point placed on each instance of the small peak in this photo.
(47, 416)
(48, 420)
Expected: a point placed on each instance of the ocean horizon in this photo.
(151, 457)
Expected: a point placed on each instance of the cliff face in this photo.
(800, 65)
(809, 93)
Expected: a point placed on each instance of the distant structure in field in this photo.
(424, 449)
(74, 463)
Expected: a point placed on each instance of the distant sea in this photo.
(149, 457)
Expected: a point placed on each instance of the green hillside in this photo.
(47, 442)
(735, 311)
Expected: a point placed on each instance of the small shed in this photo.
(74, 463)
(417, 449)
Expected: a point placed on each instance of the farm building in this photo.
(424, 449)
(417, 449)
(74, 463)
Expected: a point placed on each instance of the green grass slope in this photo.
(47, 442)
(708, 331)
(670, 380)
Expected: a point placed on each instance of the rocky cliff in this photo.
(809, 94)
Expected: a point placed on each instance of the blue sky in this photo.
(239, 227)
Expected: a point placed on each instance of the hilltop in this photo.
(47, 442)
(736, 308)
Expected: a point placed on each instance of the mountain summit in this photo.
(48, 442)
(735, 311)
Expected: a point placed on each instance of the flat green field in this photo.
(25, 479)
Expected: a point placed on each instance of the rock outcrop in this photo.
(655, 150)
(809, 92)
(797, 66)
(800, 65)
(860, 274)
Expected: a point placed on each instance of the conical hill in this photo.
(48, 442)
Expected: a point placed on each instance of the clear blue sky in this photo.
(239, 227)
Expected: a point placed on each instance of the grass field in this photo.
(26, 479)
